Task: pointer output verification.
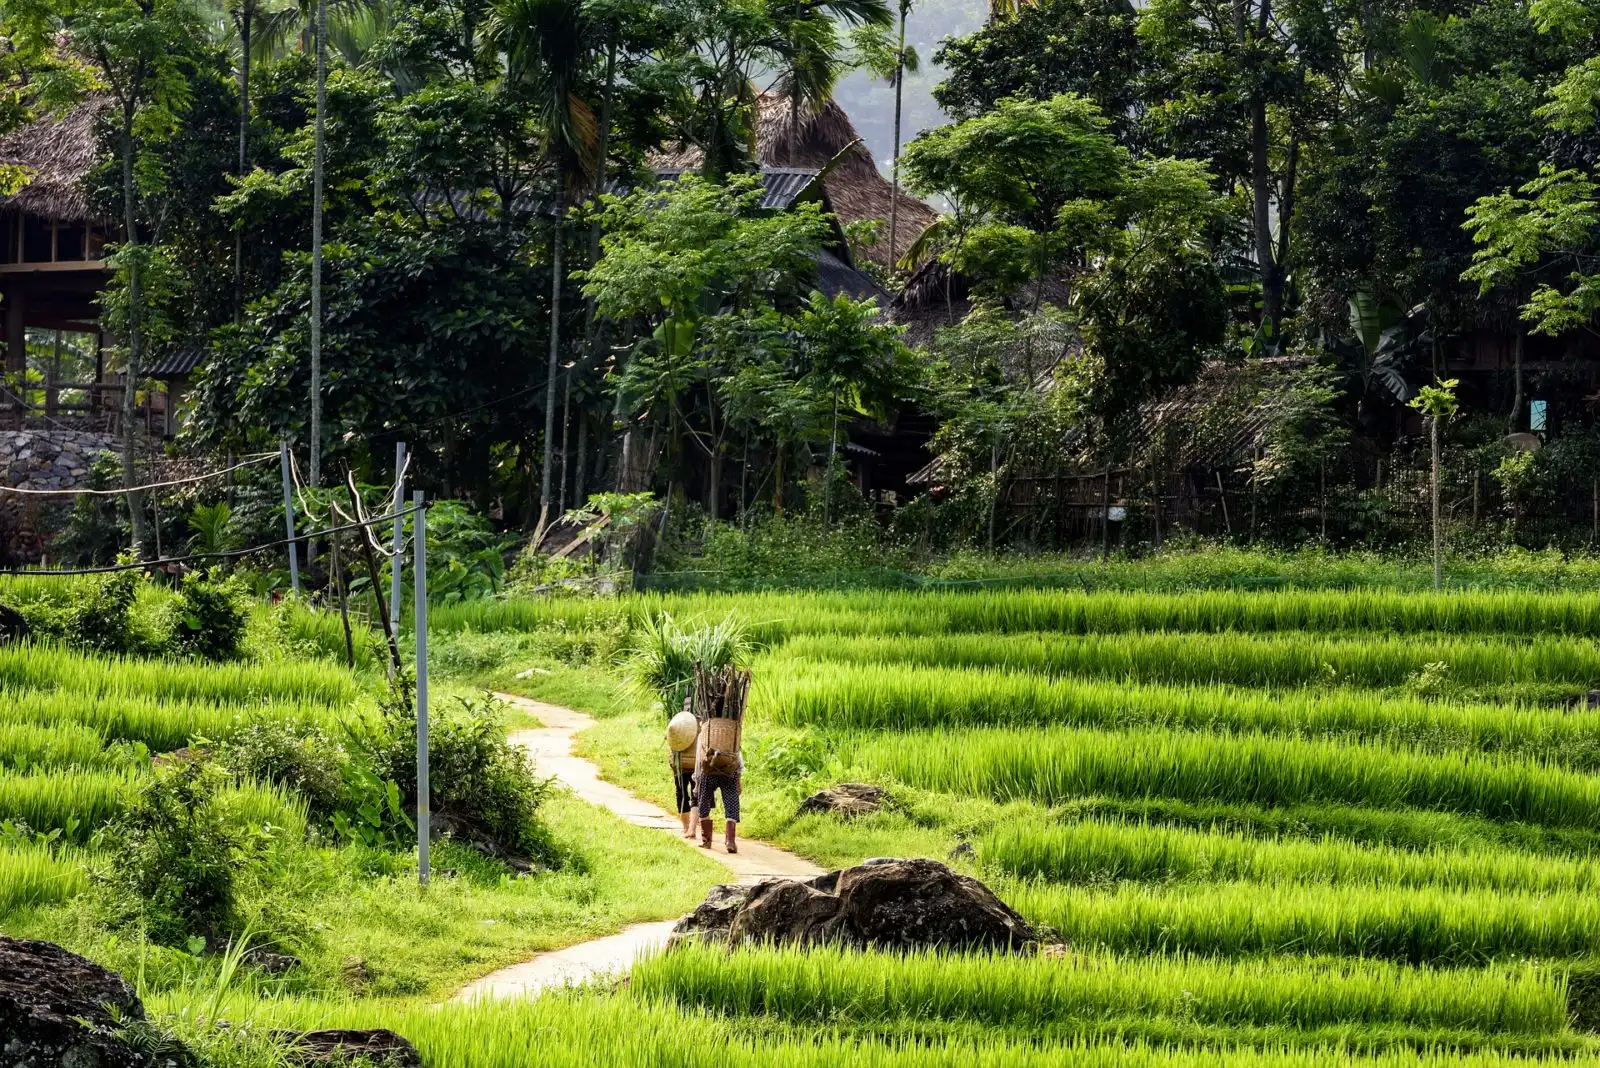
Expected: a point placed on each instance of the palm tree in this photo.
(546, 47)
(906, 62)
(806, 42)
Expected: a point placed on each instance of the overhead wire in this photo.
(224, 554)
(123, 491)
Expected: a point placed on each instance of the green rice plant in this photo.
(1098, 851)
(825, 985)
(266, 806)
(894, 697)
(161, 725)
(74, 802)
(1407, 829)
(1056, 765)
(666, 652)
(32, 875)
(1416, 926)
(583, 1030)
(45, 667)
(772, 617)
(25, 746)
(1278, 660)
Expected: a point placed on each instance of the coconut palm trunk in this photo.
(246, 15)
(130, 213)
(894, 183)
(553, 370)
(314, 474)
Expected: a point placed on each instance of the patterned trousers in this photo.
(706, 785)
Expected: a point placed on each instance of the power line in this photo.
(134, 489)
(228, 554)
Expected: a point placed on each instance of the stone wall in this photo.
(42, 458)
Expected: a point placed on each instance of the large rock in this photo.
(712, 919)
(848, 800)
(884, 904)
(787, 911)
(58, 1010)
(317, 1049)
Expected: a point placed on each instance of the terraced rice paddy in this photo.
(1274, 829)
(1307, 825)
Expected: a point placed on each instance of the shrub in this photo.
(303, 759)
(93, 614)
(170, 858)
(211, 617)
(478, 781)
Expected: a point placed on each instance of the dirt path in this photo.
(551, 748)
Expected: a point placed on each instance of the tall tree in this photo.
(138, 52)
(547, 47)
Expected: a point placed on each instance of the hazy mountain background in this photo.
(870, 103)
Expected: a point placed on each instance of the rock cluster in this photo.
(44, 458)
(56, 1008)
(847, 800)
(48, 457)
(882, 904)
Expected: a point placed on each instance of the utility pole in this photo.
(320, 152)
(419, 525)
(288, 517)
(397, 565)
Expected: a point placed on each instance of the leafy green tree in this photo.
(1035, 179)
(1438, 403)
(139, 53)
(1086, 47)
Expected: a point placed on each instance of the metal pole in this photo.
(419, 526)
(397, 566)
(288, 517)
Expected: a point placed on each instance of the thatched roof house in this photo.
(52, 258)
(856, 190)
(59, 152)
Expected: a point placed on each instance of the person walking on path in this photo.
(707, 784)
(719, 702)
(683, 734)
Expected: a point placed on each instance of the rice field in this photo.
(1298, 824)
(1296, 828)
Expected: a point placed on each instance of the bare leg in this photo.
(688, 825)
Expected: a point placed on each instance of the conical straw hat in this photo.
(682, 731)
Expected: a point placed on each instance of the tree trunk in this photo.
(1438, 568)
(580, 483)
(553, 370)
(244, 140)
(833, 449)
(1261, 193)
(1105, 515)
(566, 435)
(894, 186)
(130, 212)
(1516, 384)
(314, 474)
(994, 484)
(591, 333)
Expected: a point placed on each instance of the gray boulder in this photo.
(320, 1049)
(885, 904)
(59, 1010)
(847, 800)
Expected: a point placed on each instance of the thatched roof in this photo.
(856, 189)
(60, 152)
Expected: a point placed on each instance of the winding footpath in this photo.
(551, 748)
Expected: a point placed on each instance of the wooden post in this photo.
(344, 603)
(1322, 497)
(1105, 515)
(1222, 495)
(1155, 508)
(1595, 497)
(1476, 478)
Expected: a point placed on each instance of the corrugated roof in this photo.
(176, 363)
(781, 186)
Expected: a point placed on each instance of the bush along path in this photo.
(551, 749)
